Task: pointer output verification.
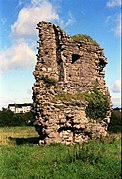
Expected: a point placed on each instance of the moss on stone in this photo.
(69, 96)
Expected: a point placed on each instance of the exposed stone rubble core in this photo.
(65, 66)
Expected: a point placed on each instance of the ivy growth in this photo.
(98, 104)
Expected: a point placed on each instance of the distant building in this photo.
(20, 108)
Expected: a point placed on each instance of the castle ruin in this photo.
(64, 69)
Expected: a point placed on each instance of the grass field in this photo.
(22, 158)
(17, 135)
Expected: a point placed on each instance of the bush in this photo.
(8, 118)
(98, 105)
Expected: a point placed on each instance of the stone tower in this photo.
(66, 68)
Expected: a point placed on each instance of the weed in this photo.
(49, 81)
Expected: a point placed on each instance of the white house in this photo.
(20, 108)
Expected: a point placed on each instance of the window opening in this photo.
(75, 57)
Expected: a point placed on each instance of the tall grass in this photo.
(26, 160)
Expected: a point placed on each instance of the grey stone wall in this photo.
(66, 67)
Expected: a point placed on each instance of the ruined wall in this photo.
(66, 67)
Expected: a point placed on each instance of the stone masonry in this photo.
(66, 68)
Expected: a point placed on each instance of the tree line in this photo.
(8, 118)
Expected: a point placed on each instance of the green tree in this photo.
(8, 118)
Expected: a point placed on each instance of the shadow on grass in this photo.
(22, 141)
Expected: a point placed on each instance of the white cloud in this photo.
(4, 102)
(114, 22)
(116, 86)
(3, 64)
(116, 100)
(29, 16)
(118, 28)
(21, 55)
(18, 56)
(69, 21)
(37, 2)
(113, 3)
(3, 21)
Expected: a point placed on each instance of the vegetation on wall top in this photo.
(82, 37)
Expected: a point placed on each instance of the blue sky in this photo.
(18, 35)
